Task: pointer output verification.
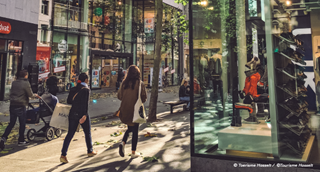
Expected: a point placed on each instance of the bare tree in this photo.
(156, 65)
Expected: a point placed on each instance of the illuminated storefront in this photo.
(256, 66)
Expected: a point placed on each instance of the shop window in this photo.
(249, 83)
(2, 44)
(44, 7)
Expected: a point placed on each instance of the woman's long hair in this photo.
(133, 75)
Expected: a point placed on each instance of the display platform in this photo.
(248, 138)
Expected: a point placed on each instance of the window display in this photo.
(252, 82)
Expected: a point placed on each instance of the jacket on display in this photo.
(251, 83)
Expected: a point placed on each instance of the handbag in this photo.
(139, 115)
(60, 116)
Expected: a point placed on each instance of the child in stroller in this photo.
(47, 103)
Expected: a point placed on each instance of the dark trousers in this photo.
(134, 129)
(17, 112)
(73, 125)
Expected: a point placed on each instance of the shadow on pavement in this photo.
(173, 154)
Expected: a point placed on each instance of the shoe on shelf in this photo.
(290, 69)
(24, 143)
(121, 149)
(63, 159)
(2, 142)
(135, 156)
(289, 52)
(288, 37)
(92, 154)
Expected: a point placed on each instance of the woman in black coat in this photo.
(79, 115)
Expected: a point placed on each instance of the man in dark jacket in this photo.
(19, 98)
(120, 77)
(52, 84)
(183, 96)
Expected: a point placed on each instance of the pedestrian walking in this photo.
(120, 78)
(19, 98)
(52, 84)
(128, 94)
(79, 116)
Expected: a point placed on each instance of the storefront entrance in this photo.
(105, 69)
(10, 63)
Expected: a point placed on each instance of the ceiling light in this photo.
(288, 2)
(204, 3)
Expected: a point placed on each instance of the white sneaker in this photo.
(121, 149)
(23, 143)
(134, 156)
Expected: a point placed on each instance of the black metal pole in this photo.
(191, 77)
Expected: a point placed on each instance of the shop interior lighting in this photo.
(288, 3)
(210, 8)
(204, 3)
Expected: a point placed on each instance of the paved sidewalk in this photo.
(171, 146)
(103, 106)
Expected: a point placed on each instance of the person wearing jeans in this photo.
(79, 115)
(183, 96)
(128, 94)
(134, 129)
(20, 113)
(19, 98)
(73, 125)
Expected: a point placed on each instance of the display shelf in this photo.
(304, 155)
(290, 110)
(292, 94)
(289, 127)
(283, 71)
(286, 56)
(292, 59)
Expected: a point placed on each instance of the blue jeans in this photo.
(73, 125)
(17, 112)
(185, 99)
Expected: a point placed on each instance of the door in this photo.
(2, 74)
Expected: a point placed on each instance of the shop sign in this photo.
(95, 78)
(148, 25)
(5, 27)
(63, 46)
(207, 43)
(59, 69)
(173, 71)
(43, 75)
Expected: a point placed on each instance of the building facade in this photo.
(100, 37)
(254, 66)
(18, 39)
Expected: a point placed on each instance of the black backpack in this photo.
(72, 94)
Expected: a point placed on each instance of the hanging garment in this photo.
(251, 84)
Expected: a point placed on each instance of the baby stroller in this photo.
(33, 117)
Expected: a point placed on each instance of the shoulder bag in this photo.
(139, 115)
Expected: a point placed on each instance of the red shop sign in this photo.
(5, 27)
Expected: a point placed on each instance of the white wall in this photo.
(44, 20)
(172, 3)
(21, 10)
